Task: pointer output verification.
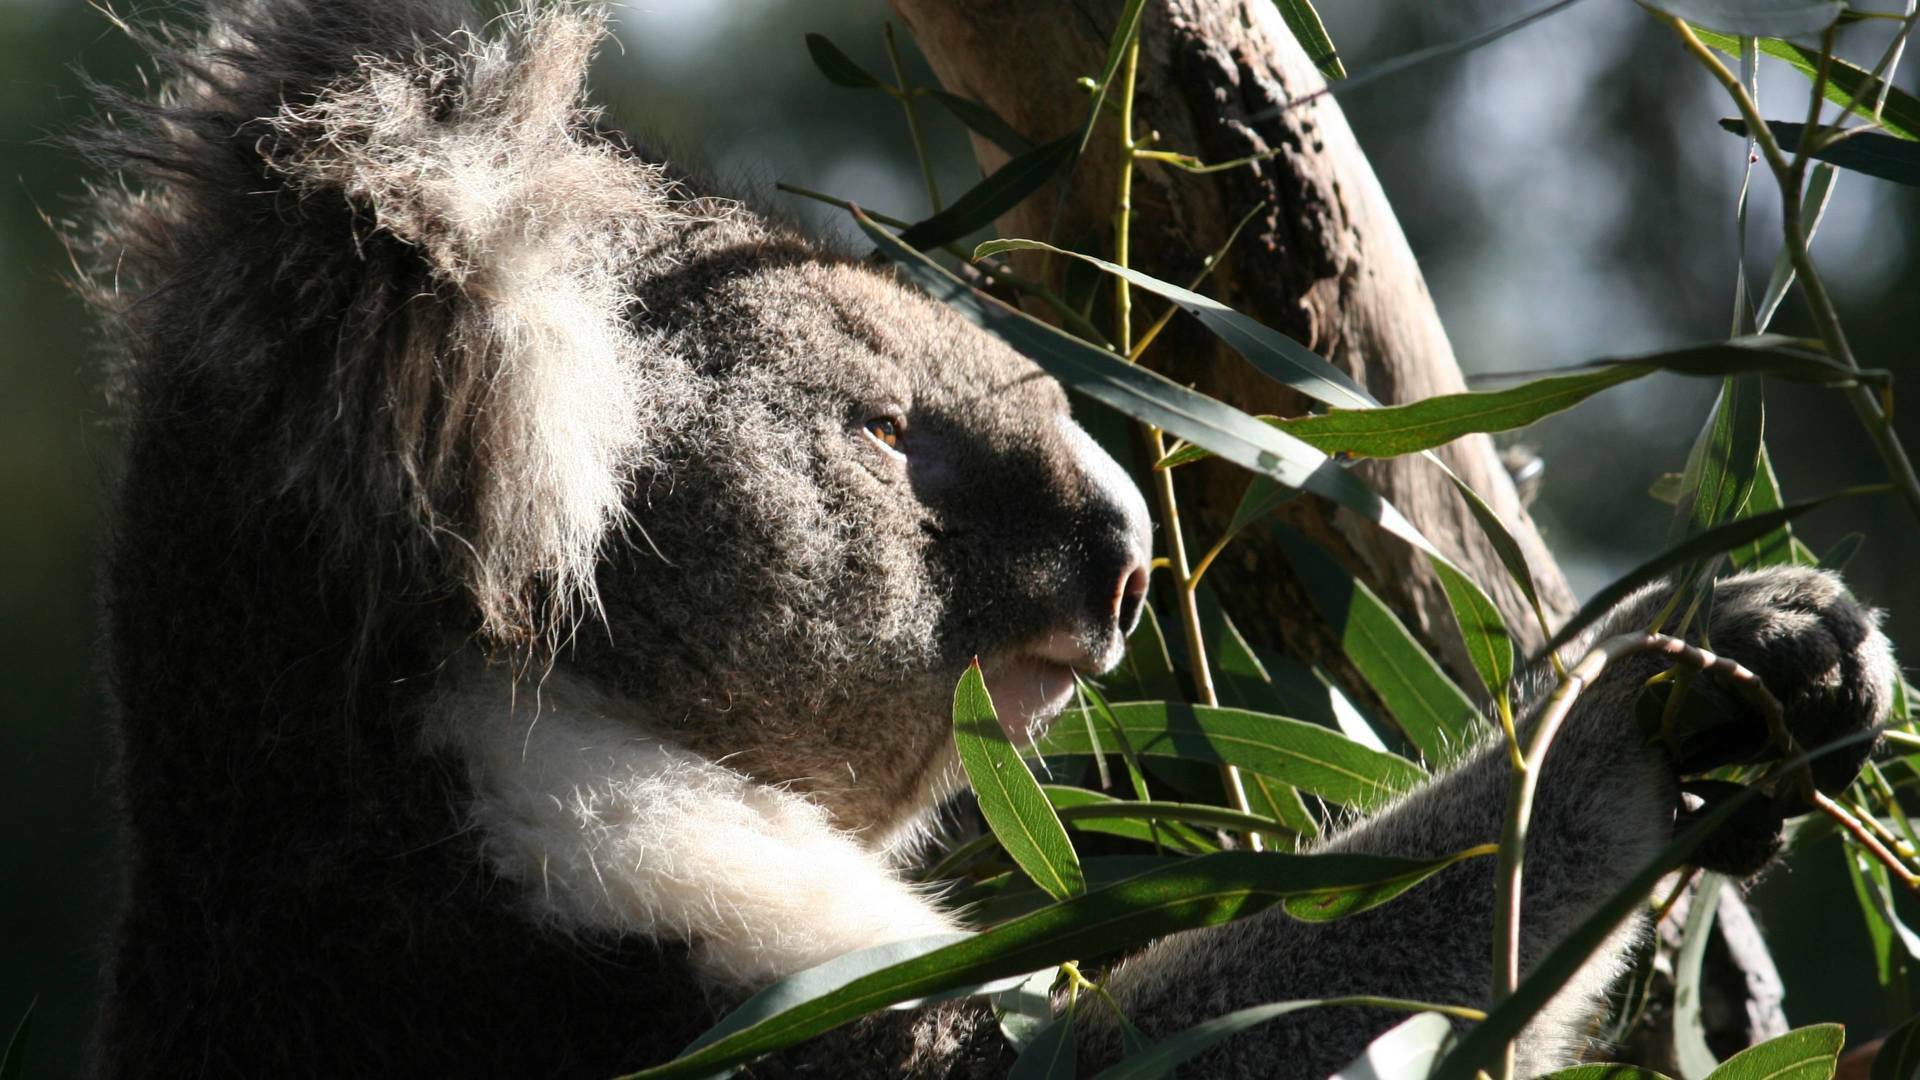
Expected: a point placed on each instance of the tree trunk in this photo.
(1324, 261)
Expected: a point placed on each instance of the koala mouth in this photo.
(1031, 685)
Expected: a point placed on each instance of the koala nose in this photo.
(1130, 598)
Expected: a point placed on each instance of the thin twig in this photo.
(905, 94)
(1867, 840)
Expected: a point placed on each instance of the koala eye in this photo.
(886, 430)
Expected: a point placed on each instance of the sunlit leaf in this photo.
(1093, 811)
(1406, 1051)
(1435, 714)
(1691, 1052)
(838, 67)
(1186, 894)
(1808, 1053)
(1306, 756)
(1853, 87)
(1761, 18)
(1311, 33)
(1885, 156)
(1778, 547)
(1009, 797)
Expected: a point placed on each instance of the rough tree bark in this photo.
(1325, 262)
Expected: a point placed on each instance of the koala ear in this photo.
(484, 160)
(455, 234)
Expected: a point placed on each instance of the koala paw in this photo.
(1818, 650)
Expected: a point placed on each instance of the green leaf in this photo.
(1146, 672)
(1026, 1010)
(995, 195)
(1868, 152)
(1081, 808)
(1489, 644)
(1899, 1056)
(1434, 714)
(1273, 353)
(1184, 895)
(1393, 430)
(1808, 1053)
(1405, 1051)
(1849, 86)
(1711, 542)
(1724, 463)
(1009, 797)
(838, 67)
(1307, 756)
(983, 121)
(1761, 18)
(1136, 819)
(1691, 1052)
(1813, 207)
(1777, 548)
(1051, 1054)
(13, 1063)
(1164, 1055)
(1311, 33)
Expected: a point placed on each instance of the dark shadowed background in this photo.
(1566, 190)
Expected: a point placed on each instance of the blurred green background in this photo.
(1565, 189)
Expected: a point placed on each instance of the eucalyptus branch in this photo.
(905, 94)
(1825, 317)
(1184, 583)
(1520, 796)
(1867, 840)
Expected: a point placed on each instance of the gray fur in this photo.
(498, 515)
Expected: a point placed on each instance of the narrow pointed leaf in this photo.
(1724, 462)
(1186, 894)
(1051, 1054)
(1434, 713)
(1146, 672)
(1163, 1056)
(1885, 156)
(1899, 1056)
(1009, 797)
(1145, 820)
(1275, 354)
(1761, 18)
(984, 122)
(1851, 87)
(1813, 207)
(838, 67)
(1393, 430)
(1777, 548)
(1082, 808)
(1406, 1051)
(1311, 33)
(985, 201)
(1307, 756)
(1808, 1053)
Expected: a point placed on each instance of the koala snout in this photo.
(1116, 538)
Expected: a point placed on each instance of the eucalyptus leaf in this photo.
(1092, 811)
(1808, 1053)
(1761, 18)
(1434, 713)
(1690, 1049)
(1307, 756)
(1311, 33)
(983, 121)
(1010, 799)
(1813, 207)
(1899, 1056)
(1779, 547)
(1185, 894)
(1851, 87)
(1406, 1051)
(1605, 1071)
(839, 68)
(1051, 1054)
(981, 204)
(1885, 156)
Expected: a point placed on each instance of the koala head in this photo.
(764, 494)
(861, 493)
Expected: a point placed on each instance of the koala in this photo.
(535, 592)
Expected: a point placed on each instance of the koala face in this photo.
(869, 493)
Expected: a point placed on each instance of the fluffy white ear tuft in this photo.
(481, 154)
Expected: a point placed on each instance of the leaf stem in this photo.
(1825, 317)
(1867, 840)
(906, 95)
(1185, 584)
